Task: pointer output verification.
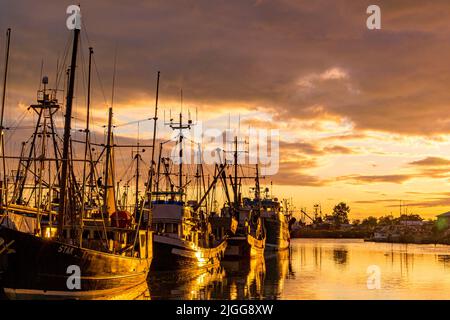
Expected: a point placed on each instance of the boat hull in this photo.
(175, 254)
(278, 234)
(242, 247)
(34, 267)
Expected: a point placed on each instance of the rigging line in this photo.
(130, 165)
(190, 140)
(60, 72)
(20, 119)
(132, 122)
(83, 71)
(121, 157)
(102, 89)
(86, 34)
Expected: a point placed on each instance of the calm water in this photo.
(323, 269)
(315, 269)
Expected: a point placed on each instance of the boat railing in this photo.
(16, 208)
(47, 95)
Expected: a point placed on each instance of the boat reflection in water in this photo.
(257, 278)
(279, 268)
(244, 280)
(140, 292)
(262, 277)
(197, 284)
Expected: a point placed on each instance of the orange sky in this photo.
(363, 115)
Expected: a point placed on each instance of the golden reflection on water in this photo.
(337, 269)
(316, 269)
(140, 292)
(259, 278)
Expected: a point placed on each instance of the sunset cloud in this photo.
(353, 107)
(394, 178)
(431, 162)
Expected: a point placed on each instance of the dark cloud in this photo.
(338, 150)
(345, 137)
(278, 56)
(294, 173)
(296, 148)
(428, 204)
(431, 161)
(299, 148)
(363, 179)
(299, 179)
(377, 201)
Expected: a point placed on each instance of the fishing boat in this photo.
(61, 237)
(277, 220)
(249, 237)
(242, 222)
(183, 237)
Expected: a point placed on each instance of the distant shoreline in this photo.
(330, 234)
(365, 235)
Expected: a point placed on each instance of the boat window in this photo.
(97, 235)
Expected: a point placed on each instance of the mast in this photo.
(220, 171)
(86, 148)
(40, 173)
(155, 119)
(148, 190)
(180, 126)
(138, 159)
(5, 76)
(106, 184)
(180, 165)
(158, 168)
(235, 184)
(66, 139)
(257, 187)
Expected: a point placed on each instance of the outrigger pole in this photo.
(86, 149)
(66, 140)
(150, 182)
(4, 192)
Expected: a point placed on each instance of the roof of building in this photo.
(444, 215)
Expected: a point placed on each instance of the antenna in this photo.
(180, 125)
(114, 77)
(181, 99)
(239, 124)
(40, 75)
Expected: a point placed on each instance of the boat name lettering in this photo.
(65, 249)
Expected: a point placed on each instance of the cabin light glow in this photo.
(50, 232)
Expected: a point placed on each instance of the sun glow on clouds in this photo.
(363, 117)
(327, 155)
(310, 81)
